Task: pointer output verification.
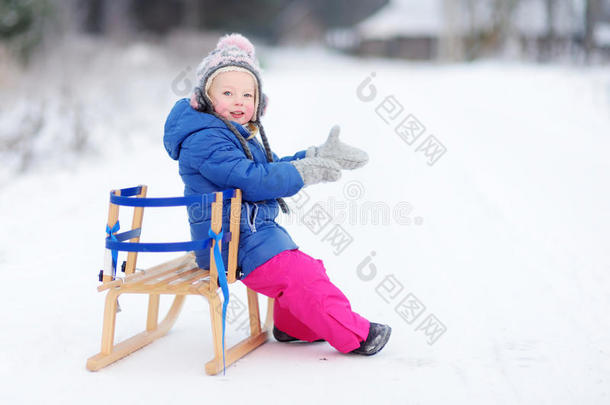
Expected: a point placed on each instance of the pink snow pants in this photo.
(307, 305)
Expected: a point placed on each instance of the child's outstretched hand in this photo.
(317, 170)
(348, 157)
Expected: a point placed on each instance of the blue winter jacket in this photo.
(211, 159)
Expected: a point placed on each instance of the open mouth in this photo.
(237, 114)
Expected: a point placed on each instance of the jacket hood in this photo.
(184, 121)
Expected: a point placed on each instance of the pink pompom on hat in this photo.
(233, 52)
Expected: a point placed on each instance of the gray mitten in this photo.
(317, 170)
(348, 157)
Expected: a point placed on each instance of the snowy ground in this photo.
(503, 239)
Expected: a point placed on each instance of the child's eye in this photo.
(248, 95)
(227, 93)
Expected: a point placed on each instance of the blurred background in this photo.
(539, 30)
(128, 54)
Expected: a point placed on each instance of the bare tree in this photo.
(591, 9)
(551, 35)
(451, 45)
(192, 14)
(117, 18)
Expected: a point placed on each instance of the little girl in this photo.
(213, 137)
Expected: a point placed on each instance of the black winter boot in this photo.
(284, 337)
(375, 341)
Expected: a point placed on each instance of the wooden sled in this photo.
(179, 277)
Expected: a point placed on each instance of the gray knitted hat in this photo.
(234, 52)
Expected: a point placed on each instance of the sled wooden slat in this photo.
(179, 262)
(167, 278)
(234, 222)
(189, 280)
(136, 222)
(236, 352)
(178, 277)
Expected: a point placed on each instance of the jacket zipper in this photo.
(252, 216)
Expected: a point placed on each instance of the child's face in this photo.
(232, 95)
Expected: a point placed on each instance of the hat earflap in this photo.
(264, 103)
(198, 101)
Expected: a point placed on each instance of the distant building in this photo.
(464, 29)
(404, 28)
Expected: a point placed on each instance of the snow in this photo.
(507, 243)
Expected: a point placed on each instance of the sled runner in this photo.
(179, 277)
